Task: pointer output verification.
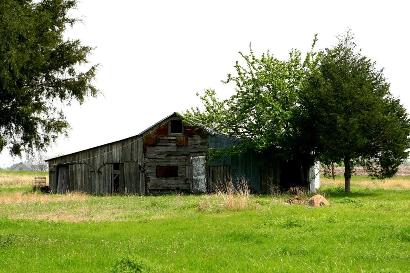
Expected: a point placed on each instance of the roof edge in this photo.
(174, 114)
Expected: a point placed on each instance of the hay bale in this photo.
(318, 201)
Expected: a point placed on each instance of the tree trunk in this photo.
(347, 174)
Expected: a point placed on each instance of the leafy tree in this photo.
(354, 117)
(264, 111)
(40, 71)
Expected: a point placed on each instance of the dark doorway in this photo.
(292, 174)
(117, 179)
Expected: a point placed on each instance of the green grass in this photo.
(365, 231)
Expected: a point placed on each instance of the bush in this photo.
(128, 265)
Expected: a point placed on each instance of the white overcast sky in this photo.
(155, 55)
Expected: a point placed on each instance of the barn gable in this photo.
(158, 159)
(170, 148)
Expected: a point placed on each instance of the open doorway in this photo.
(117, 178)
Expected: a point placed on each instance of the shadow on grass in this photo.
(340, 192)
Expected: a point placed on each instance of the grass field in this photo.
(17, 179)
(366, 231)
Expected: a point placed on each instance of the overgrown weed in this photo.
(228, 197)
(129, 265)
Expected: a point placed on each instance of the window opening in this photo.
(167, 171)
(176, 126)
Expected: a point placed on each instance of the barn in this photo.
(169, 156)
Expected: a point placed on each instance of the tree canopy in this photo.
(356, 119)
(263, 110)
(332, 105)
(40, 71)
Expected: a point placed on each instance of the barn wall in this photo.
(163, 148)
(260, 171)
(91, 170)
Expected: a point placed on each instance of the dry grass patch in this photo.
(22, 197)
(19, 178)
(62, 216)
(14, 180)
(220, 202)
(396, 183)
(228, 197)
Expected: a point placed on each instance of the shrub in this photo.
(128, 265)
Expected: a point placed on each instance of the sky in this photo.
(154, 56)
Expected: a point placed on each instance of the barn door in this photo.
(198, 164)
(62, 178)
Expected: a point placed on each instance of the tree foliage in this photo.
(333, 105)
(40, 70)
(264, 111)
(355, 118)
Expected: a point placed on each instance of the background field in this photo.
(365, 231)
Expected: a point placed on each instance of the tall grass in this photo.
(228, 197)
(19, 178)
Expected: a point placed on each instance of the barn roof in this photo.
(173, 115)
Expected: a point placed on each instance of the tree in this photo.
(40, 71)
(354, 117)
(264, 111)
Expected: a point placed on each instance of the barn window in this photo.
(116, 166)
(167, 171)
(176, 126)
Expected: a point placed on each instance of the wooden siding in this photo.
(91, 170)
(162, 148)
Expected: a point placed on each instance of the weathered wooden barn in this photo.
(168, 156)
